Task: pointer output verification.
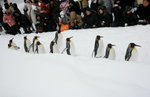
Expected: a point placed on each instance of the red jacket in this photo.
(9, 19)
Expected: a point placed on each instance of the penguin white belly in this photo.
(13, 44)
(72, 49)
(41, 49)
(112, 54)
(35, 44)
(28, 43)
(134, 55)
(59, 41)
(55, 48)
(100, 50)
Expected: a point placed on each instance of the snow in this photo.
(55, 75)
(60, 75)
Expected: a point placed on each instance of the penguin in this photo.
(58, 39)
(10, 46)
(35, 40)
(11, 42)
(131, 52)
(98, 47)
(27, 44)
(110, 52)
(70, 48)
(53, 47)
(39, 48)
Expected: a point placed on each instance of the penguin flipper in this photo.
(128, 54)
(95, 48)
(107, 53)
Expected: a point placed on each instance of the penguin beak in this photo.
(137, 45)
(101, 36)
(113, 45)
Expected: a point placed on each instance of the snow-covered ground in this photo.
(60, 75)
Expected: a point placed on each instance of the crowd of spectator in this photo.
(50, 15)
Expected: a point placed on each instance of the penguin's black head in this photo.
(52, 42)
(9, 45)
(58, 31)
(132, 45)
(38, 43)
(68, 39)
(36, 37)
(25, 38)
(98, 37)
(10, 41)
(110, 45)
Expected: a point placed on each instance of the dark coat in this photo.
(118, 16)
(144, 12)
(90, 20)
(104, 20)
(131, 19)
(75, 7)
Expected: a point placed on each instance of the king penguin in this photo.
(27, 44)
(131, 53)
(39, 48)
(58, 39)
(11, 42)
(110, 52)
(12, 45)
(35, 40)
(70, 48)
(98, 47)
(53, 47)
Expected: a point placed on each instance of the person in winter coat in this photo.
(9, 19)
(16, 9)
(64, 6)
(75, 15)
(104, 19)
(27, 9)
(107, 3)
(94, 5)
(64, 18)
(6, 4)
(84, 4)
(118, 14)
(91, 19)
(55, 10)
(23, 22)
(64, 21)
(39, 25)
(143, 12)
(131, 17)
